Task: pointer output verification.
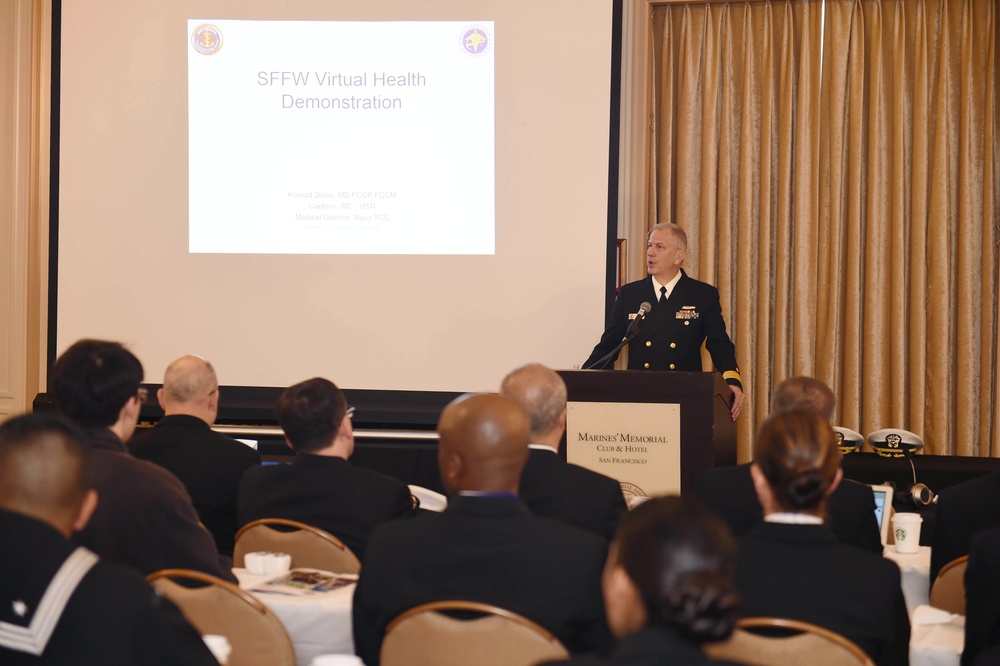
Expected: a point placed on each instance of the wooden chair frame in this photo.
(548, 642)
(354, 564)
(800, 627)
(472, 607)
(281, 652)
(947, 598)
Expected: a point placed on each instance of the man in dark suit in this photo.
(486, 546)
(209, 464)
(685, 313)
(145, 518)
(320, 487)
(982, 591)
(60, 603)
(961, 511)
(549, 486)
(730, 492)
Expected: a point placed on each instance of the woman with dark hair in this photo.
(668, 585)
(792, 565)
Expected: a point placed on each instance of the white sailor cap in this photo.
(894, 442)
(848, 441)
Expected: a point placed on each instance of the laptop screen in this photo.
(883, 509)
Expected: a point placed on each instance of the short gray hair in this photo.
(680, 236)
(189, 378)
(540, 391)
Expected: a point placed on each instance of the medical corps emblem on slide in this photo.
(206, 39)
(476, 41)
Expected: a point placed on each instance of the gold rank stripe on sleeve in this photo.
(732, 374)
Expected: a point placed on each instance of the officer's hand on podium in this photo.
(738, 398)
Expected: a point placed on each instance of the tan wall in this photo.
(24, 140)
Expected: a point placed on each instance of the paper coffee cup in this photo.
(254, 562)
(277, 563)
(906, 531)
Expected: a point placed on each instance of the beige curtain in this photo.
(834, 165)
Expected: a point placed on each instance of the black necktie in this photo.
(663, 294)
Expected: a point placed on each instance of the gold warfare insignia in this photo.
(687, 312)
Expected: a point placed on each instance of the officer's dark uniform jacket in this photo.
(671, 336)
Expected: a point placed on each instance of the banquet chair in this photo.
(948, 590)
(309, 546)
(255, 633)
(426, 636)
(809, 644)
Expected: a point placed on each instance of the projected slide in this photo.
(341, 137)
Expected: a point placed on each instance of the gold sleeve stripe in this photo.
(732, 374)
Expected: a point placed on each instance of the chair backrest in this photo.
(425, 636)
(948, 590)
(256, 635)
(309, 546)
(809, 645)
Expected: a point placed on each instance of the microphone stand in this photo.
(599, 363)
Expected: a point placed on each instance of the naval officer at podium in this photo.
(684, 313)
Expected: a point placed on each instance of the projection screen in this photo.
(393, 194)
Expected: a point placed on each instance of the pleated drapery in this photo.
(835, 167)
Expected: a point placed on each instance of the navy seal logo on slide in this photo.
(476, 41)
(206, 39)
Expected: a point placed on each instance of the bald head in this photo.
(190, 387)
(803, 394)
(483, 444)
(43, 470)
(541, 392)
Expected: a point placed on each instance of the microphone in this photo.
(639, 316)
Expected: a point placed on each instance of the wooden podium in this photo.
(663, 427)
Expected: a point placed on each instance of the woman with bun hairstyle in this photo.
(668, 585)
(792, 565)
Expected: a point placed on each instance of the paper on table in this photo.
(219, 646)
(305, 582)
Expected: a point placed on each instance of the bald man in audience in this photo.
(549, 486)
(486, 546)
(145, 518)
(730, 492)
(59, 603)
(209, 464)
(320, 487)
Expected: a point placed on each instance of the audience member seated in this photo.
(668, 585)
(209, 464)
(320, 487)
(486, 546)
(793, 566)
(549, 486)
(60, 604)
(145, 518)
(961, 511)
(982, 595)
(730, 492)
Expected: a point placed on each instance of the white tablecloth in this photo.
(930, 644)
(938, 644)
(318, 624)
(916, 575)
